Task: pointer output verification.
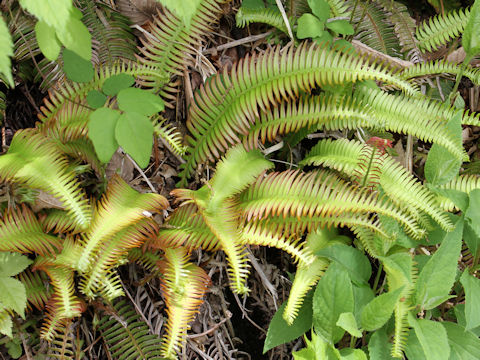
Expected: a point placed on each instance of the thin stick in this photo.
(235, 43)
(142, 173)
(285, 18)
(244, 313)
(212, 329)
(365, 49)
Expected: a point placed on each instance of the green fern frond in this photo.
(269, 16)
(63, 300)
(432, 68)
(20, 231)
(306, 278)
(339, 8)
(58, 221)
(169, 47)
(404, 27)
(318, 193)
(110, 254)
(463, 183)
(425, 119)
(126, 336)
(33, 160)
(120, 208)
(184, 285)
(36, 286)
(148, 259)
(297, 8)
(399, 185)
(374, 29)
(228, 103)
(62, 344)
(172, 136)
(440, 29)
(186, 227)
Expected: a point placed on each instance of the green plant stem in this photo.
(377, 277)
(350, 37)
(353, 341)
(467, 60)
(364, 182)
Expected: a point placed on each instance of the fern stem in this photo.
(459, 77)
(364, 181)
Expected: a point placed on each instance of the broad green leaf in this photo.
(432, 337)
(352, 354)
(459, 310)
(77, 68)
(184, 9)
(253, 4)
(348, 323)
(470, 38)
(472, 239)
(377, 312)
(354, 261)
(463, 344)
(378, 347)
(101, 130)
(413, 349)
(139, 101)
(96, 99)
(320, 8)
(6, 51)
(47, 40)
(309, 27)
(441, 166)
(134, 133)
(6, 323)
(13, 295)
(316, 349)
(323, 37)
(471, 232)
(14, 349)
(77, 38)
(54, 13)
(333, 296)
(341, 27)
(472, 296)
(115, 83)
(362, 294)
(12, 264)
(438, 275)
(279, 332)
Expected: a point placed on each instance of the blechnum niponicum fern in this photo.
(347, 186)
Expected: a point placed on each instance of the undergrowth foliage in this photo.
(349, 203)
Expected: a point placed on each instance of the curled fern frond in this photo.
(269, 16)
(184, 285)
(399, 185)
(318, 193)
(228, 103)
(120, 208)
(35, 161)
(20, 231)
(126, 336)
(440, 29)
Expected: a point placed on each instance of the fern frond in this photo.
(228, 103)
(186, 227)
(36, 287)
(374, 28)
(297, 8)
(339, 8)
(184, 285)
(306, 278)
(269, 16)
(318, 193)
(148, 259)
(440, 29)
(399, 185)
(118, 209)
(62, 343)
(66, 304)
(170, 45)
(33, 160)
(111, 253)
(424, 119)
(463, 183)
(172, 136)
(20, 231)
(404, 27)
(126, 336)
(431, 68)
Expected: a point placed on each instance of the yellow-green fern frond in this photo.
(440, 29)
(20, 231)
(62, 344)
(316, 194)
(148, 259)
(36, 287)
(126, 336)
(184, 285)
(118, 209)
(58, 221)
(35, 161)
(224, 108)
(439, 67)
(269, 16)
(172, 136)
(399, 185)
(463, 183)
